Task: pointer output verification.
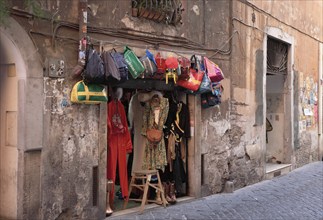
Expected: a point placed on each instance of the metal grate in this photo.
(277, 54)
(165, 11)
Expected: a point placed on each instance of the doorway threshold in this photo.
(274, 170)
(135, 210)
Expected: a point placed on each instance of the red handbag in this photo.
(213, 70)
(193, 81)
(185, 64)
(161, 65)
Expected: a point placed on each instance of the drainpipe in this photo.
(320, 110)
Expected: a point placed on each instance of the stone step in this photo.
(273, 170)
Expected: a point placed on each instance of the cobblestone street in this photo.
(297, 195)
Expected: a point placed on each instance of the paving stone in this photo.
(297, 195)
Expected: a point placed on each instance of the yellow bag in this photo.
(88, 93)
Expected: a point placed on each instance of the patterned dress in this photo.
(155, 115)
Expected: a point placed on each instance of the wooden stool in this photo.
(145, 177)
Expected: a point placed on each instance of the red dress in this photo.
(119, 144)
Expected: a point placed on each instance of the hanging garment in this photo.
(171, 155)
(170, 117)
(155, 114)
(119, 144)
(181, 125)
(178, 170)
(136, 110)
(179, 128)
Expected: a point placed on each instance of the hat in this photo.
(145, 97)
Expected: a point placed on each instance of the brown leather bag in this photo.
(154, 135)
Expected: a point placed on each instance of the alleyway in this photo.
(297, 195)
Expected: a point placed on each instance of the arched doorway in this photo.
(12, 69)
(21, 123)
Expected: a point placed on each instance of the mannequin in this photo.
(155, 114)
(119, 143)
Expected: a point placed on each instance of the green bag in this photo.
(134, 65)
(88, 93)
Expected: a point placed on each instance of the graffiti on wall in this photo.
(308, 102)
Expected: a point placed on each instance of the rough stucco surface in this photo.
(232, 144)
(70, 158)
(70, 155)
(230, 157)
(243, 162)
(306, 152)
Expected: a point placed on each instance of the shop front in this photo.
(153, 122)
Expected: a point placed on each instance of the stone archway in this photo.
(21, 121)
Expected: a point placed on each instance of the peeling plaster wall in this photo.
(235, 133)
(73, 133)
(73, 136)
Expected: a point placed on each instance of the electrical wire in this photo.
(156, 41)
(151, 40)
(225, 43)
(254, 7)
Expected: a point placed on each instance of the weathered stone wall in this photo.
(73, 135)
(73, 138)
(306, 151)
(235, 139)
(232, 135)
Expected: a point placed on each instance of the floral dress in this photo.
(155, 115)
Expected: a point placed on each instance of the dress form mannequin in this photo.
(155, 114)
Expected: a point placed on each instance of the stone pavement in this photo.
(297, 195)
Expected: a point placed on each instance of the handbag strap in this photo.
(126, 48)
(193, 62)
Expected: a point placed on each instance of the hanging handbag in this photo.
(88, 93)
(185, 65)
(110, 68)
(121, 65)
(161, 65)
(205, 85)
(94, 69)
(154, 135)
(213, 70)
(209, 100)
(212, 98)
(195, 75)
(134, 65)
(150, 65)
(204, 102)
(194, 80)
